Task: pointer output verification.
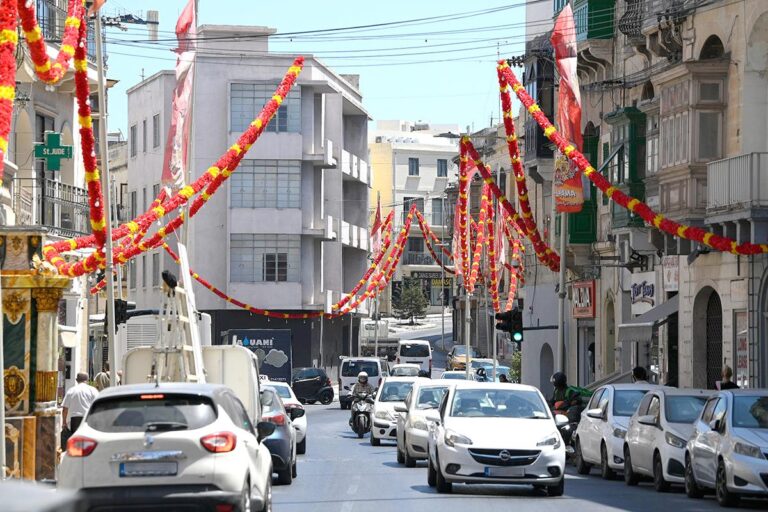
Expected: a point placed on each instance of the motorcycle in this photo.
(573, 412)
(362, 410)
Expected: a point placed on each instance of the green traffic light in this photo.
(518, 336)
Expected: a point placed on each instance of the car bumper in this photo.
(457, 465)
(748, 475)
(281, 451)
(172, 497)
(614, 447)
(417, 443)
(384, 429)
(672, 459)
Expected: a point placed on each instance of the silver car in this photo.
(728, 449)
(412, 426)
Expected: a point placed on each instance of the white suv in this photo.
(172, 445)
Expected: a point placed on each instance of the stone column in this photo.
(46, 376)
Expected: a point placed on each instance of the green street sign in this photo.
(52, 151)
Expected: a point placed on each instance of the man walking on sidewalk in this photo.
(77, 401)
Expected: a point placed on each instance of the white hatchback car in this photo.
(391, 393)
(412, 426)
(405, 370)
(172, 445)
(599, 438)
(290, 402)
(728, 450)
(457, 375)
(657, 435)
(498, 434)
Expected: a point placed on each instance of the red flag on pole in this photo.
(376, 228)
(177, 143)
(569, 195)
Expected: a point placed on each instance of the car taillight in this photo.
(220, 442)
(398, 359)
(277, 419)
(79, 446)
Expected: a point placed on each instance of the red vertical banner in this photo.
(177, 143)
(376, 229)
(568, 189)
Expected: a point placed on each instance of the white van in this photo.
(348, 372)
(415, 352)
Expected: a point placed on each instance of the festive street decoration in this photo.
(479, 241)
(633, 204)
(492, 256)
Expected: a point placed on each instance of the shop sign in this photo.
(426, 275)
(584, 299)
(671, 266)
(643, 292)
(741, 377)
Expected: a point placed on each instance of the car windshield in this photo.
(498, 403)
(282, 391)
(414, 350)
(481, 363)
(352, 368)
(430, 398)
(405, 371)
(456, 375)
(750, 411)
(395, 391)
(461, 350)
(683, 409)
(625, 401)
(138, 413)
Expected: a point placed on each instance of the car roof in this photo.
(670, 391)
(630, 387)
(374, 359)
(746, 392)
(405, 342)
(189, 388)
(402, 379)
(406, 365)
(472, 384)
(276, 383)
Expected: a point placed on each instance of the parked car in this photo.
(391, 393)
(412, 426)
(488, 370)
(415, 352)
(599, 438)
(173, 445)
(728, 449)
(457, 375)
(312, 385)
(495, 433)
(657, 435)
(282, 441)
(349, 369)
(457, 357)
(405, 370)
(290, 402)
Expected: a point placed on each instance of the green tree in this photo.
(411, 303)
(516, 366)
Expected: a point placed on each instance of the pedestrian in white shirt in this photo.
(77, 401)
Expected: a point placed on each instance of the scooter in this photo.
(566, 431)
(362, 409)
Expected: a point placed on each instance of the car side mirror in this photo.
(401, 408)
(648, 419)
(561, 420)
(596, 413)
(297, 413)
(433, 416)
(264, 429)
(715, 425)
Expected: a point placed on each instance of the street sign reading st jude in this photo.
(52, 151)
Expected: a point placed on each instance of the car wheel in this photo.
(245, 498)
(326, 398)
(375, 441)
(301, 448)
(400, 457)
(285, 477)
(630, 477)
(659, 483)
(724, 497)
(605, 470)
(442, 485)
(582, 466)
(294, 471)
(431, 474)
(267, 497)
(311, 402)
(692, 489)
(558, 489)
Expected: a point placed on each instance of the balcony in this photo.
(322, 156)
(355, 167)
(737, 185)
(423, 258)
(61, 208)
(354, 236)
(594, 19)
(51, 18)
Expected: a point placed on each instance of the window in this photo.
(247, 101)
(132, 413)
(266, 184)
(156, 269)
(709, 136)
(144, 199)
(408, 201)
(134, 211)
(144, 271)
(719, 412)
(155, 191)
(654, 407)
(144, 136)
(416, 244)
(134, 140)
(413, 167)
(437, 212)
(595, 402)
(132, 274)
(652, 145)
(442, 168)
(264, 258)
(706, 417)
(156, 130)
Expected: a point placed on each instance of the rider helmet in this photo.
(559, 380)
(362, 377)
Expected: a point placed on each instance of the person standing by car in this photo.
(639, 375)
(77, 401)
(726, 383)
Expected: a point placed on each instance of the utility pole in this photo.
(561, 295)
(467, 328)
(442, 271)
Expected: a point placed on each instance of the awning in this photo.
(641, 327)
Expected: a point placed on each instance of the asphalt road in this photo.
(342, 473)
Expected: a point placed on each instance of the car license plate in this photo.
(128, 469)
(513, 472)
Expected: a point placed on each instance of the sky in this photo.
(433, 70)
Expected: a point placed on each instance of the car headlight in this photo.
(747, 449)
(619, 432)
(453, 438)
(673, 440)
(384, 415)
(420, 424)
(553, 441)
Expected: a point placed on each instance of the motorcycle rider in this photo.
(564, 398)
(361, 388)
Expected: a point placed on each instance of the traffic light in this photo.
(511, 322)
(121, 311)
